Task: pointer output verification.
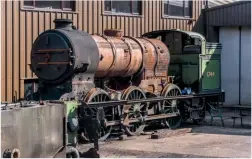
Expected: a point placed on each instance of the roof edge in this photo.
(226, 5)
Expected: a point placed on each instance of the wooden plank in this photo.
(135, 27)
(188, 25)
(53, 17)
(179, 24)
(104, 22)
(165, 23)
(22, 47)
(122, 26)
(16, 55)
(74, 18)
(95, 17)
(194, 9)
(40, 20)
(90, 17)
(149, 18)
(197, 9)
(109, 22)
(58, 15)
(175, 24)
(113, 22)
(65, 16)
(85, 16)
(154, 15)
(118, 22)
(171, 24)
(182, 24)
(146, 16)
(9, 52)
(3, 52)
(28, 43)
(142, 19)
(126, 26)
(99, 15)
(80, 10)
(139, 27)
(161, 14)
(158, 15)
(70, 16)
(130, 27)
(37, 24)
(47, 21)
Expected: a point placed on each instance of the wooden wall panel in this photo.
(22, 48)
(47, 21)
(23, 26)
(16, 55)
(3, 51)
(9, 49)
(28, 26)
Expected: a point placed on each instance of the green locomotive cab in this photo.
(195, 63)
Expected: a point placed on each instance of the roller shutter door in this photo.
(229, 38)
(245, 96)
(236, 65)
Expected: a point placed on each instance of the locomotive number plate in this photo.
(210, 74)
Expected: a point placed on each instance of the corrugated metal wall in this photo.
(20, 28)
(234, 14)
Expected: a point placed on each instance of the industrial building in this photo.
(23, 21)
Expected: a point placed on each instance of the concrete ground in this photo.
(203, 141)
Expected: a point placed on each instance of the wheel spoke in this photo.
(134, 111)
(102, 96)
(170, 106)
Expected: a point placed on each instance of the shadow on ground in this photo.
(113, 152)
(221, 130)
(206, 128)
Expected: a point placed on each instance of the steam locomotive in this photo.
(163, 77)
(73, 65)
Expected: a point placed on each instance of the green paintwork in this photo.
(210, 67)
(184, 59)
(189, 74)
(71, 113)
(203, 67)
(211, 74)
(174, 70)
(189, 67)
(71, 108)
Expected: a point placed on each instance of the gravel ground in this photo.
(203, 141)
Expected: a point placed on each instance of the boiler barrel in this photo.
(119, 56)
(59, 54)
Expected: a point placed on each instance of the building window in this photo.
(178, 8)
(58, 5)
(123, 7)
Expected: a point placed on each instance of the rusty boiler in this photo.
(122, 56)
